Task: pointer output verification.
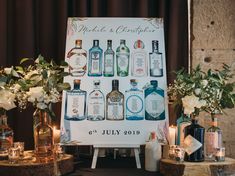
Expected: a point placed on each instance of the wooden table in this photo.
(172, 168)
(31, 167)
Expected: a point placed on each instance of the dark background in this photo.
(32, 27)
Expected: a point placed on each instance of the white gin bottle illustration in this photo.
(75, 103)
(95, 107)
(154, 102)
(122, 59)
(115, 103)
(109, 60)
(95, 60)
(77, 59)
(155, 60)
(134, 102)
(139, 60)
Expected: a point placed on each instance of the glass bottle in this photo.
(154, 102)
(139, 60)
(155, 60)
(75, 103)
(194, 139)
(95, 103)
(6, 137)
(115, 103)
(213, 137)
(95, 60)
(134, 102)
(182, 122)
(43, 136)
(77, 59)
(109, 60)
(122, 59)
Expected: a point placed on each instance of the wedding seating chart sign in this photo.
(118, 81)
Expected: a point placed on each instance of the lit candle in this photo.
(172, 132)
(220, 154)
(56, 135)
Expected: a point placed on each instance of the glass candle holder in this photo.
(13, 155)
(20, 145)
(220, 154)
(179, 154)
(172, 151)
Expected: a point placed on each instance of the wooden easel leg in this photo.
(137, 158)
(94, 160)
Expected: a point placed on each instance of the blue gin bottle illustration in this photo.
(95, 60)
(75, 103)
(134, 102)
(154, 102)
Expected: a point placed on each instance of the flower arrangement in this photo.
(7, 99)
(199, 91)
(40, 83)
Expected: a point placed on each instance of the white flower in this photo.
(8, 70)
(41, 105)
(204, 83)
(15, 88)
(191, 102)
(197, 91)
(35, 93)
(7, 99)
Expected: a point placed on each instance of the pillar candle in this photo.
(172, 133)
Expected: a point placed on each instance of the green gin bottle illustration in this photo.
(109, 60)
(95, 60)
(154, 102)
(122, 59)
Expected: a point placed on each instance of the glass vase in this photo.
(6, 137)
(43, 135)
(194, 142)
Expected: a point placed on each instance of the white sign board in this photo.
(107, 49)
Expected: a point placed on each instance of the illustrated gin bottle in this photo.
(77, 59)
(134, 102)
(122, 59)
(6, 137)
(75, 103)
(182, 122)
(109, 60)
(139, 60)
(95, 60)
(95, 107)
(154, 102)
(155, 60)
(213, 138)
(115, 103)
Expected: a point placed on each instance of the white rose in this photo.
(41, 105)
(35, 93)
(197, 91)
(204, 82)
(7, 99)
(8, 70)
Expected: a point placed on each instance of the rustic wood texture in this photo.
(172, 168)
(213, 43)
(65, 165)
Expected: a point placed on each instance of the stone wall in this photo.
(213, 43)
